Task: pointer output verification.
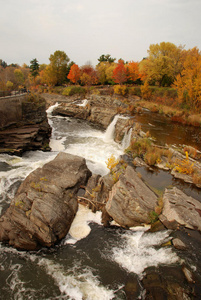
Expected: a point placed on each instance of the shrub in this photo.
(146, 91)
(139, 147)
(184, 166)
(135, 90)
(72, 90)
(112, 162)
(120, 89)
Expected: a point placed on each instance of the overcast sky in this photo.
(86, 29)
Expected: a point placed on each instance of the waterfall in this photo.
(109, 133)
(51, 108)
(126, 139)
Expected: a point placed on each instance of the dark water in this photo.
(167, 132)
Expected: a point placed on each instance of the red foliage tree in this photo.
(74, 74)
(120, 72)
(88, 75)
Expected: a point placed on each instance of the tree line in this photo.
(166, 65)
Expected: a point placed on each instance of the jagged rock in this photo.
(166, 282)
(72, 110)
(102, 116)
(130, 200)
(122, 127)
(45, 204)
(180, 208)
(23, 124)
(178, 244)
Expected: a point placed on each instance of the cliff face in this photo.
(23, 124)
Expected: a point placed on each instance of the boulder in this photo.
(130, 200)
(23, 124)
(102, 116)
(180, 209)
(45, 204)
(72, 110)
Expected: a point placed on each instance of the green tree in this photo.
(34, 67)
(163, 63)
(59, 66)
(3, 63)
(106, 58)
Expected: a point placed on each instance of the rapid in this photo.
(92, 262)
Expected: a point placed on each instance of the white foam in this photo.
(79, 228)
(84, 103)
(57, 145)
(51, 108)
(137, 251)
(76, 285)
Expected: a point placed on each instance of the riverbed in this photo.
(92, 262)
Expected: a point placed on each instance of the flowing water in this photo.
(92, 262)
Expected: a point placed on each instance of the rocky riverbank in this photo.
(46, 202)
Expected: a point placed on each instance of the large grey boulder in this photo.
(180, 209)
(130, 200)
(45, 204)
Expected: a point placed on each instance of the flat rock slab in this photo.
(180, 208)
(45, 204)
(130, 200)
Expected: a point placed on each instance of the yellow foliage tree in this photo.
(163, 63)
(188, 83)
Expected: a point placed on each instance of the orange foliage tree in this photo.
(188, 83)
(74, 74)
(120, 72)
(133, 71)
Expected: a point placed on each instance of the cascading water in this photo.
(92, 262)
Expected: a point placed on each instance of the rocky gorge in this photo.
(46, 202)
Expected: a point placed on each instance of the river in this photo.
(92, 262)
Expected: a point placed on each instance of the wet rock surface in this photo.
(45, 204)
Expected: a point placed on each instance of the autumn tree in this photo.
(74, 74)
(188, 83)
(120, 72)
(163, 63)
(88, 75)
(19, 77)
(58, 67)
(48, 77)
(133, 73)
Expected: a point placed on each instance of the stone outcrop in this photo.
(72, 110)
(180, 209)
(23, 124)
(130, 200)
(45, 204)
